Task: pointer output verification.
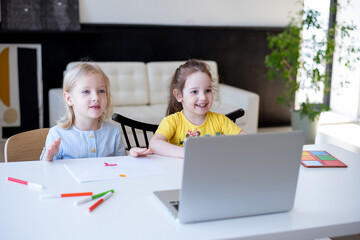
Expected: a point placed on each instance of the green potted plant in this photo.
(300, 64)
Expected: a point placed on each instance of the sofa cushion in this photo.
(147, 113)
(225, 109)
(160, 74)
(129, 83)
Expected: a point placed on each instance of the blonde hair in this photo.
(77, 72)
(179, 78)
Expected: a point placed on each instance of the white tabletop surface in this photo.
(327, 204)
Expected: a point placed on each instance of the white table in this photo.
(327, 204)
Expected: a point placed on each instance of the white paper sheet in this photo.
(101, 169)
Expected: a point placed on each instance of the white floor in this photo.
(333, 129)
(345, 135)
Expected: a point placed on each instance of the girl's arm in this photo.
(52, 150)
(138, 152)
(159, 145)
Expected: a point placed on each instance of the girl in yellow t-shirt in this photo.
(188, 115)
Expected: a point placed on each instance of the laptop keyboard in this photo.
(175, 204)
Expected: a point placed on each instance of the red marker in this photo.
(100, 201)
(29, 184)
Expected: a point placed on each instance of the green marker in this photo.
(89, 198)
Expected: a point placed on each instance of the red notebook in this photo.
(318, 159)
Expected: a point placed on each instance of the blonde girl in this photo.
(83, 132)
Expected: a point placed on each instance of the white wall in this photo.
(253, 13)
(262, 13)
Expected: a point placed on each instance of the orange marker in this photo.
(44, 196)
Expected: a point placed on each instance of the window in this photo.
(343, 100)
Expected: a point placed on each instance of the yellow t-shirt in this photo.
(176, 128)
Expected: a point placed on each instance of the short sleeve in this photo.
(167, 127)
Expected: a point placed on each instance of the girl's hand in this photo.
(52, 150)
(137, 152)
(242, 132)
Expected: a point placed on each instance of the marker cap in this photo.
(84, 200)
(46, 196)
(35, 186)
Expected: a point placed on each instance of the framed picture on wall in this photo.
(21, 101)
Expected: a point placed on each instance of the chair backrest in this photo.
(147, 128)
(134, 125)
(25, 146)
(236, 114)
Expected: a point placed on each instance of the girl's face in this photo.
(88, 99)
(196, 97)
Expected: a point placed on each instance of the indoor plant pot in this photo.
(305, 124)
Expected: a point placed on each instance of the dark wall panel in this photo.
(239, 52)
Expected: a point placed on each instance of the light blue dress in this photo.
(75, 143)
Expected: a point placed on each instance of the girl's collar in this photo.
(79, 130)
(207, 114)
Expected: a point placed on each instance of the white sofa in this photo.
(140, 91)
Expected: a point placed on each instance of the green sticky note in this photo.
(326, 157)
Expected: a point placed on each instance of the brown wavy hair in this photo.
(179, 78)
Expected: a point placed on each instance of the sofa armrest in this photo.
(240, 98)
(56, 105)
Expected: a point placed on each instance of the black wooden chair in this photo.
(236, 114)
(148, 128)
(134, 125)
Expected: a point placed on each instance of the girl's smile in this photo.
(201, 105)
(96, 107)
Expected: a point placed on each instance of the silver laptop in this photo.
(236, 176)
